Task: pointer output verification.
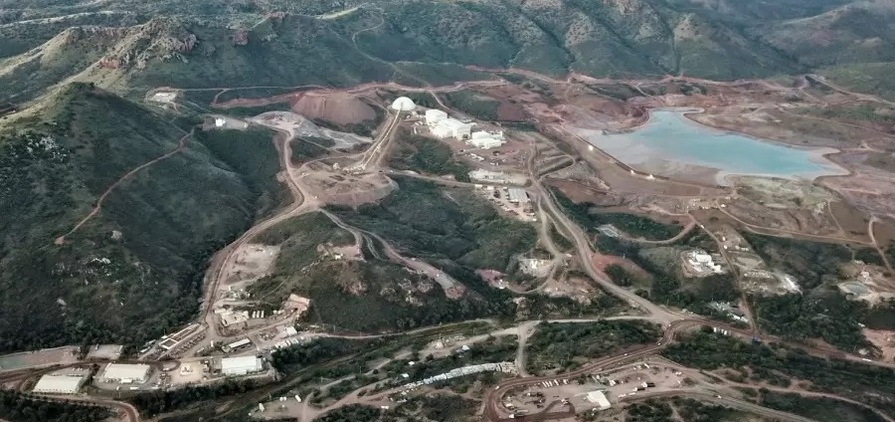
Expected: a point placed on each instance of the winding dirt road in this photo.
(181, 145)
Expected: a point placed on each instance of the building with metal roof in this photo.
(125, 373)
(242, 365)
(60, 384)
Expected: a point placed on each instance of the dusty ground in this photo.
(252, 261)
(43, 357)
(335, 107)
(336, 187)
(884, 341)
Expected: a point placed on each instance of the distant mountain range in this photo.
(127, 46)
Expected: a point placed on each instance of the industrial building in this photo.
(242, 365)
(702, 263)
(60, 384)
(443, 126)
(452, 128)
(517, 195)
(434, 116)
(125, 373)
(403, 104)
(486, 140)
(236, 345)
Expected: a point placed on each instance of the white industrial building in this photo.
(434, 116)
(486, 140)
(702, 263)
(517, 195)
(237, 344)
(403, 104)
(599, 398)
(60, 384)
(452, 128)
(125, 373)
(242, 365)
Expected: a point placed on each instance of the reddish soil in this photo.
(335, 107)
(508, 111)
(884, 340)
(577, 191)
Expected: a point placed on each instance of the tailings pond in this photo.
(671, 145)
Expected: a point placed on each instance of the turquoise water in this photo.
(668, 135)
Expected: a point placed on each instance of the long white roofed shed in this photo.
(59, 384)
(241, 365)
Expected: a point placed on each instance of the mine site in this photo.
(614, 180)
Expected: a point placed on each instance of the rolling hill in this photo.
(135, 269)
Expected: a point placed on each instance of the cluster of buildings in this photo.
(508, 367)
(701, 263)
(442, 126)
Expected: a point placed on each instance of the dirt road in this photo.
(181, 144)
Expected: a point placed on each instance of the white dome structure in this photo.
(403, 104)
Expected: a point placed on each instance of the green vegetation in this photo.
(424, 43)
(779, 365)
(291, 359)
(435, 407)
(618, 275)
(444, 225)
(821, 311)
(252, 93)
(818, 408)
(310, 148)
(135, 270)
(586, 216)
(474, 104)
(250, 153)
(156, 402)
(427, 156)
(490, 350)
(812, 263)
(821, 314)
(669, 285)
(863, 112)
(561, 241)
(565, 346)
(872, 78)
(18, 407)
(357, 295)
(658, 410)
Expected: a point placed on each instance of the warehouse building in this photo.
(517, 195)
(242, 365)
(486, 140)
(434, 116)
(452, 128)
(60, 384)
(125, 373)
